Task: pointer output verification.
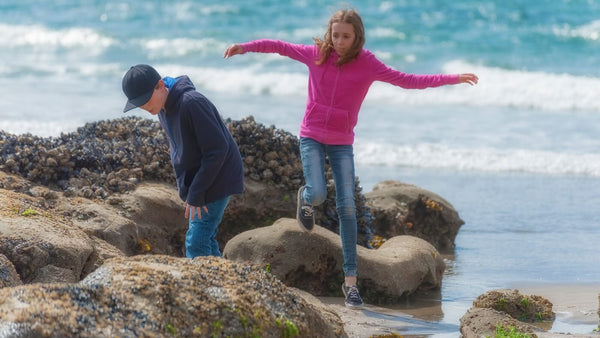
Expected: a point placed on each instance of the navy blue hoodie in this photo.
(205, 157)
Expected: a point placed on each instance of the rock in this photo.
(95, 161)
(32, 238)
(328, 314)
(482, 322)
(147, 219)
(104, 251)
(312, 261)
(153, 295)
(259, 205)
(525, 308)
(102, 221)
(53, 274)
(404, 209)
(8, 273)
(159, 216)
(105, 158)
(506, 308)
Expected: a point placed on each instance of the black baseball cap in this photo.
(138, 85)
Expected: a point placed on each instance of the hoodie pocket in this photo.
(322, 117)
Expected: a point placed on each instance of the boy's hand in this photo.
(233, 50)
(195, 211)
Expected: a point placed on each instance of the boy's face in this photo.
(158, 99)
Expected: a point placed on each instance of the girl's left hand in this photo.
(469, 78)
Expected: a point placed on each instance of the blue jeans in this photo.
(201, 237)
(341, 160)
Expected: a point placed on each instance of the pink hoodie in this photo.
(335, 94)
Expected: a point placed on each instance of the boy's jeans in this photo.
(200, 239)
(341, 160)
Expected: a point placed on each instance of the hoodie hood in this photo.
(177, 87)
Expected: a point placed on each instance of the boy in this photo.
(204, 155)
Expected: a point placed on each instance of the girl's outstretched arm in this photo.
(233, 50)
(469, 78)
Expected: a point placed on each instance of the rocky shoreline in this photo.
(91, 222)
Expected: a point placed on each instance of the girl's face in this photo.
(342, 36)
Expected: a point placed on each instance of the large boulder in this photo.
(404, 209)
(312, 261)
(158, 214)
(41, 238)
(41, 245)
(154, 295)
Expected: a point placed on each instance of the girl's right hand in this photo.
(233, 50)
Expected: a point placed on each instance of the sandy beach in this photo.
(575, 306)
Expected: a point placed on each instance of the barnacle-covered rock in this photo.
(156, 296)
(113, 156)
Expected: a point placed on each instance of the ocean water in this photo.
(517, 155)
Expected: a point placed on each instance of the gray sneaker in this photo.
(305, 212)
(353, 299)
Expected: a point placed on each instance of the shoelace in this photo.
(353, 294)
(307, 211)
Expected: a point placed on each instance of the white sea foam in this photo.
(386, 32)
(218, 9)
(590, 31)
(170, 48)
(251, 80)
(39, 37)
(478, 159)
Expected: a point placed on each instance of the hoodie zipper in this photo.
(337, 76)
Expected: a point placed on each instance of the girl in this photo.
(340, 74)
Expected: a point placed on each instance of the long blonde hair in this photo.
(326, 44)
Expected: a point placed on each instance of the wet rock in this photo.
(312, 261)
(404, 209)
(526, 308)
(483, 322)
(506, 308)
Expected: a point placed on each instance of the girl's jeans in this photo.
(341, 160)
(200, 239)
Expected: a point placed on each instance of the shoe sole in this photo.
(354, 307)
(297, 212)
